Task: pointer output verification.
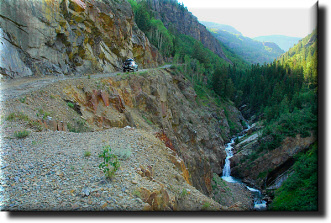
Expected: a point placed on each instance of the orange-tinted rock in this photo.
(65, 127)
(105, 98)
(179, 163)
(53, 125)
(158, 200)
(164, 138)
(164, 109)
(117, 103)
(59, 126)
(92, 100)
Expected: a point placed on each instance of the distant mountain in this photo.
(250, 50)
(284, 42)
(213, 25)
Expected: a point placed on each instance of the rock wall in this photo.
(172, 14)
(269, 165)
(59, 37)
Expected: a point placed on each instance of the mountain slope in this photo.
(175, 15)
(250, 50)
(284, 42)
(217, 26)
(303, 56)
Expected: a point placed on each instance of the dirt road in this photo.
(15, 88)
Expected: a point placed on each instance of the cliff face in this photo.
(70, 37)
(171, 14)
(265, 168)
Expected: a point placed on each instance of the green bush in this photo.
(22, 99)
(71, 105)
(110, 162)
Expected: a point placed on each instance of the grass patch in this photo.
(21, 134)
(206, 205)
(11, 117)
(87, 153)
(184, 193)
(147, 120)
(22, 117)
(43, 114)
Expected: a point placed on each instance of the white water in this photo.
(259, 204)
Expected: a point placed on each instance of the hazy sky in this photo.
(254, 18)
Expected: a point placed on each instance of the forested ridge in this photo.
(250, 50)
(282, 94)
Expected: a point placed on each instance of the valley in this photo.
(78, 134)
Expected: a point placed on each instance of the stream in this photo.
(259, 204)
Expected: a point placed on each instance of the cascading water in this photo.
(259, 204)
(227, 168)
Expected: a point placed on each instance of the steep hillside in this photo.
(168, 145)
(284, 42)
(250, 50)
(176, 16)
(304, 56)
(159, 101)
(70, 37)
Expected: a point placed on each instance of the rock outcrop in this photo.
(175, 15)
(266, 167)
(164, 103)
(70, 37)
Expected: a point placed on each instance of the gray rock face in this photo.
(11, 58)
(70, 37)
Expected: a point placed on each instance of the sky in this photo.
(296, 18)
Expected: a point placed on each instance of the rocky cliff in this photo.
(261, 169)
(160, 101)
(174, 15)
(70, 37)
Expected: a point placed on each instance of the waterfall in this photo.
(259, 204)
(227, 168)
(229, 154)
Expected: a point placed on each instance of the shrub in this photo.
(71, 105)
(183, 193)
(22, 99)
(87, 153)
(21, 134)
(110, 162)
